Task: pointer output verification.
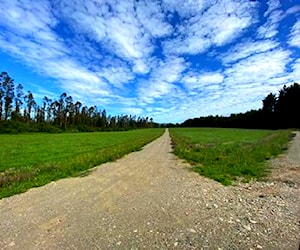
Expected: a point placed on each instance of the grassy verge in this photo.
(229, 155)
(31, 160)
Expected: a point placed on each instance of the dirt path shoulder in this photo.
(147, 200)
(286, 167)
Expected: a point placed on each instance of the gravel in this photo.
(151, 200)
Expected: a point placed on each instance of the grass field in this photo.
(229, 155)
(29, 160)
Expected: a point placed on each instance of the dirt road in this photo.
(147, 200)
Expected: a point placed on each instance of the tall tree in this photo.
(103, 120)
(69, 111)
(77, 113)
(18, 100)
(8, 88)
(269, 103)
(40, 114)
(47, 108)
(61, 109)
(2, 75)
(268, 119)
(54, 111)
(84, 115)
(29, 99)
(288, 106)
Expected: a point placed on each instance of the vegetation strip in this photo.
(229, 155)
(31, 160)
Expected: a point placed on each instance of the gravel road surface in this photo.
(151, 200)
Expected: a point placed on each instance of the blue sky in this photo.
(170, 60)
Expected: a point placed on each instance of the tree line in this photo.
(279, 111)
(19, 112)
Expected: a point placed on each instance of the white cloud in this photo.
(219, 24)
(229, 20)
(270, 28)
(85, 16)
(49, 61)
(274, 15)
(293, 10)
(141, 66)
(295, 35)
(116, 28)
(29, 25)
(169, 70)
(24, 15)
(117, 75)
(150, 15)
(259, 68)
(187, 45)
(160, 82)
(187, 8)
(296, 71)
(149, 91)
(132, 111)
(272, 6)
(127, 38)
(205, 80)
(246, 49)
(29, 38)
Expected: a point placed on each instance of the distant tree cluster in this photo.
(19, 112)
(278, 112)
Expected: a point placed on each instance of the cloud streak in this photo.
(295, 35)
(217, 24)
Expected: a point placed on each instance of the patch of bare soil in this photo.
(150, 200)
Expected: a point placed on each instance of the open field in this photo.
(29, 160)
(228, 155)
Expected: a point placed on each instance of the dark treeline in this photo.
(19, 112)
(278, 112)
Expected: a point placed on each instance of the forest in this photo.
(279, 111)
(19, 112)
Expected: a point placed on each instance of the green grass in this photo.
(30, 160)
(229, 155)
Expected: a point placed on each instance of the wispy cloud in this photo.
(30, 38)
(199, 81)
(216, 25)
(293, 9)
(259, 68)
(188, 8)
(115, 27)
(150, 15)
(117, 75)
(160, 82)
(296, 71)
(295, 35)
(273, 15)
(246, 49)
(25, 16)
(272, 6)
